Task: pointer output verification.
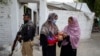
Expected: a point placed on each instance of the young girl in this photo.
(70, 41)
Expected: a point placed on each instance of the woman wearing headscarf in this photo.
(48, 30)
(71, 38)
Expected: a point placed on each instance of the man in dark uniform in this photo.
(26, 36)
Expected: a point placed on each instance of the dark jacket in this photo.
(28, 31)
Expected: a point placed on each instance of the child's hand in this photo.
(64, 35)
(60, 37)
(61, 33)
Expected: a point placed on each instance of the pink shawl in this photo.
(73, 31)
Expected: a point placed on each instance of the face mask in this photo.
(54, 21)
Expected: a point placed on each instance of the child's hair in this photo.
(71, 17)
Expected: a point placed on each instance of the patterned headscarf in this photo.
(49, 25)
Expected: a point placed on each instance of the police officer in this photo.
(27, 36)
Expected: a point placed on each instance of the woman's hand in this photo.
(60, 37)
(60, 33)
(64, 35)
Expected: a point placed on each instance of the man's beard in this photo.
(25, 21)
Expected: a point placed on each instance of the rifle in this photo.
(16, 41)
